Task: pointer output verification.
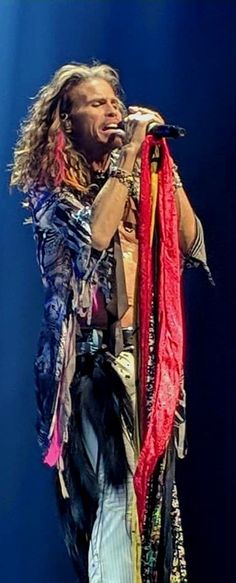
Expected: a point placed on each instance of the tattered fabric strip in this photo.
(169, 343)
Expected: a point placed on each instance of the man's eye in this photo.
(96, 103)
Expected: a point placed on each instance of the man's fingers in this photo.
(145, 110)
(133, 108)
(139, 116)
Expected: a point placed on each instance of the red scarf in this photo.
(156, 432)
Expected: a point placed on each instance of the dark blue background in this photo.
(177, 56)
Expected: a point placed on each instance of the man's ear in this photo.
(66, 122)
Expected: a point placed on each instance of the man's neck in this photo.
(101, 164)
(97, 159)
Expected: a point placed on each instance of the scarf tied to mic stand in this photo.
(159, 300)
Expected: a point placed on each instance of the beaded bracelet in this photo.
(177, 180)
(124, 177)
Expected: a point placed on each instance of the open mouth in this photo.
(114, 128)
(110, 127)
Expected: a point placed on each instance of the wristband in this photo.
(124, 177)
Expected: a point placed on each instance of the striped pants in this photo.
(110, 552)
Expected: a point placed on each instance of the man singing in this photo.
(80, 169)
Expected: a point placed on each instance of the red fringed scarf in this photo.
(169, 346)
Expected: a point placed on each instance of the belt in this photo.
(128, 336)
(89, 341)
(92, 340)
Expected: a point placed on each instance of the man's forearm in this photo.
(186, 220)
(108, 206)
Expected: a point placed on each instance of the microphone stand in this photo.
(154, 167)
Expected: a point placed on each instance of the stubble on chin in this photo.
(116, 142)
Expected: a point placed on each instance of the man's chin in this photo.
(115, 141)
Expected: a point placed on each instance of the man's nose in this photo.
(111, 110)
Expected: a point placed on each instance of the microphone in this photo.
(164, 131)
(158, 130)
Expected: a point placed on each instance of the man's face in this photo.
(94, 116)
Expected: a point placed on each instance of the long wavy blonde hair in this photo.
(44, 154)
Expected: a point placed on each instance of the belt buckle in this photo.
(128, 337)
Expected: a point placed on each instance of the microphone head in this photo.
(121, 126)
(165, 131)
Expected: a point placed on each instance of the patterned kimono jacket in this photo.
(70, 271)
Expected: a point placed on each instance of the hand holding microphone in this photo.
(141, 121)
